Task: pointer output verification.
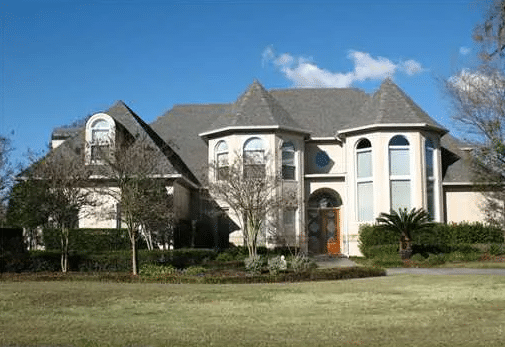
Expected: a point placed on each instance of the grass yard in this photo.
(401, 310)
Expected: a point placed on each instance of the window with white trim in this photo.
(254, 158)
(399, 172)
(222, 164)
(100, 138)
(288, 161)
(430, 177)
(364, 180)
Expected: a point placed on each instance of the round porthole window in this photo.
(322, 159)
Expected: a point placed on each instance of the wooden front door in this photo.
(324, 226)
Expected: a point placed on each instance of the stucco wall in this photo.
(463, 204)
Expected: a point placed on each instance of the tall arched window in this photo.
(100, 139)
(399, 172)
(288, 161)
(430, 177)
(254, 158)
(221, 160)
(364, 180)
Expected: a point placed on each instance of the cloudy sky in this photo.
(62, 60)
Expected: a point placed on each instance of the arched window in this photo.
(221, 160)
(100, 139)
(430, 177)
(288, 161)
(254, 158)
(364, 180)
(399, 172)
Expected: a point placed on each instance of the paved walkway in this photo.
(324, 261)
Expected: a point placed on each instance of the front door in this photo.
(324, 228)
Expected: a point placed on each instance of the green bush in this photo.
(254, 265)
(388, 260)
(300, 262)
(418, 257)
(370, 236)
(89, 240)
(496, 249)
(151, 270)
(194, 270)
(225, 257)
(383, 250)
(277, 264)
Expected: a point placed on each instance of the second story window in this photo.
(100, 136)
(399, 172)
(364, 179)
(100, 139)
(254, 158)
(430, 177)
(288, 161)
(222, 165)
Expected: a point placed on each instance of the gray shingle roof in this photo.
(255, 108)
(167, 161)
(390, 105)
(322, 112)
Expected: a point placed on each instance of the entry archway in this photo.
(323, 212)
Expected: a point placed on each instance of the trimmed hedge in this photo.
(90, 240)
(37, 261)
(442, 238)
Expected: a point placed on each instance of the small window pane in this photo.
(221, 147)
(399, 140)
(288, 172)
(430, 188)
(399, 161)
(288, 158)
(100, 135)
(429, 158)
(253, 144)
(365, 201)
(289, 216)
(364, 144)
(365, 164)
(400, 195)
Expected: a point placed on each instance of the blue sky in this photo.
(63, 60)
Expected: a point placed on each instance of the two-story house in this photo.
(347, 154)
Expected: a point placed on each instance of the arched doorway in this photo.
(323, 220)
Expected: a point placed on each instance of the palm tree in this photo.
(404, 224)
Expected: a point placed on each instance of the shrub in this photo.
(388, 260)
(417, 257)
(254, 265)
(301, 262)
(194, 270)
(496, 249)
(383, 250)
(370, 235)
(150, 270)
(276, 264)
(224, 257)
(436, 259)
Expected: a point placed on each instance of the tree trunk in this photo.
(64, 249)
(405, 247)
(133, 240)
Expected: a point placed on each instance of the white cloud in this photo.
(464, 50)
(304, 73)
(412, 67)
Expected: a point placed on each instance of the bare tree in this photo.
(252, 194)
(133, 171)
(478, 99)
(61, 181)
(5, 174)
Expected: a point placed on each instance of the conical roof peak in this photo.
(256, 107)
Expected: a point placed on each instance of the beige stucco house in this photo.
(347, 154)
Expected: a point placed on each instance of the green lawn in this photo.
(401, 310)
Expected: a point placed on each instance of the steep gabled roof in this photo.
(129, 123)
(391, 106)
(256, 108)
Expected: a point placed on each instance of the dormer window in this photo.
(100, 135)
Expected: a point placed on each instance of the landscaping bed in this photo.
(217, 276)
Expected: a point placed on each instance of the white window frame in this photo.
(361, 181)
(399, 178)
(105, 141)
(221, 150)
(288, 147)
(429, 146)
(257, 154)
